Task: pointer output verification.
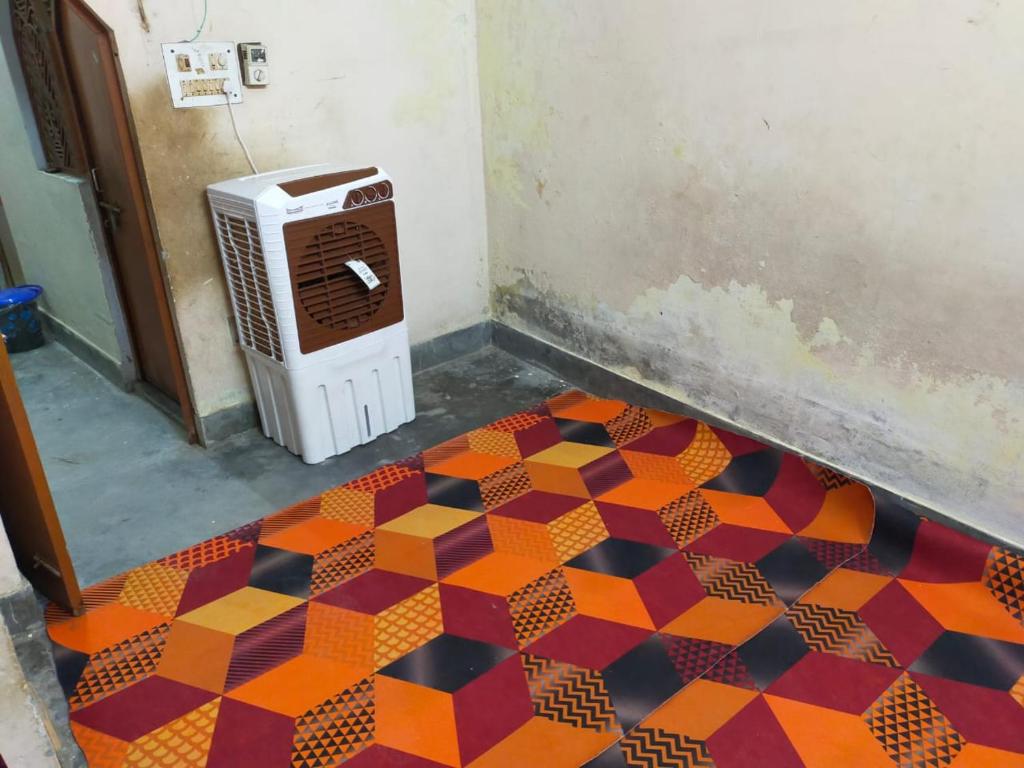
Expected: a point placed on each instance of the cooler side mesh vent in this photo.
(250, 286)
(327, 289)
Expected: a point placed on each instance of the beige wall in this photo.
(389, 83)
(803, 217)
(49, 217)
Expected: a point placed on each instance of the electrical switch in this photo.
(255, 66)
(202, 73)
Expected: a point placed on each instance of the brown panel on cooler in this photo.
(332, 304)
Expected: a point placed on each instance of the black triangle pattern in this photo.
(1004, 577)
(336, 729)
(910, 727)
(540, 606)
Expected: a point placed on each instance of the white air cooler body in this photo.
(317, 402)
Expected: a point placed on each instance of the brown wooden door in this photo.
(91, 57)
(26, 505)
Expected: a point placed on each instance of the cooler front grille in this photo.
(332, 304)
(250, 287)
(328, 290)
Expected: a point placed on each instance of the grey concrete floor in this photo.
(128, 488)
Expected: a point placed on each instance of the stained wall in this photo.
(389, 83)
(800, 217)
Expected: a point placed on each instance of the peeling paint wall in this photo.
(802, 217)
(391, 83)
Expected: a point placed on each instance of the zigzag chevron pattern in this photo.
(830, 479)
(569, 694)
(342, 635)
(834, 630)
(656, 748)
(732, 579)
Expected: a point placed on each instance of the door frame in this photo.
(8, 256)
(141, 200)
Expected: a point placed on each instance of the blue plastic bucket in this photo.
(19, 318)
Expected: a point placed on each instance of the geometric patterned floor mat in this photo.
(583, 583)
(910, 654)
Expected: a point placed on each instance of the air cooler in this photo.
(311, 258)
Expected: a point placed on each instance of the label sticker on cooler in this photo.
(363, 272)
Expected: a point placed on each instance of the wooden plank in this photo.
(26, 505)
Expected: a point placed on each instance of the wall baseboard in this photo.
(85, 351)
(234, 419)
(593, 378)
(449, 346)
(226, 422)
(600, 381)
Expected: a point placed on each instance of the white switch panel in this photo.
(198, 73)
